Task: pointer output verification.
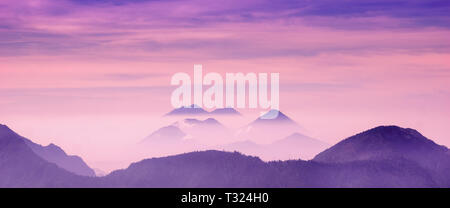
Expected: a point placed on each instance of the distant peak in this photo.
(273, 114)
(225, 111)
(187, 110)
(191, 120)
(392, 130)
(382, 142)
(197, 121)
(54, 147)
(296, 134)
(169, 129)
(211, 121)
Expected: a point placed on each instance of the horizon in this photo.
(126, 163)
(93, 77)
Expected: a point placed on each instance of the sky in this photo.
(93, 76)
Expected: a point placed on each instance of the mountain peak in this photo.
(5, 128)
(187, 110)
(55, 149)
(211, 121)
(165, 134)
(382, 142)
(6, 133)
(225, 111)
(392, 129)
(197, 121)
(274, 116)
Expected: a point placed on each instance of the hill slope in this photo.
(21, 167)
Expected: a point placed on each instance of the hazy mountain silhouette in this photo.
(274, 117)
(298, 146)
(388, 142)
(383, 142)
(206, 122)
(207, 132)
(225, 111)
(167, 134)
(195, 110)
(295, 146)
(268, 128)
(168, 140)
(55, 154)
(187, 110)
(21, 167)
(226, 169)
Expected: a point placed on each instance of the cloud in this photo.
(196, 29)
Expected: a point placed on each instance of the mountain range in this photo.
(268, 127)
(294, 146)
(54, 154)
(195, 110)
(386, 156)
(20, 166)
(192, 134)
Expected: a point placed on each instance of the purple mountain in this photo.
(206, 132)
(268, 128)
(208, 121)
(222, 169)
(392, 143)
(187, 110)
(385, 142)
(274, 116)
(167, 140)
(195, 110)
(166, 134)
(225, 169)
(22, 167)
(294, 146)
(56, 155)
(225, 111)
(298, 146)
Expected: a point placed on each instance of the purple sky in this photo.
(90, 75)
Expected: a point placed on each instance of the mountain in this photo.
(186, 135)
(55, 154)
(99, 172)
(274, 117)
(195, 110)
(206, 122)
(225, 111)
(298, 146)
(295, 146)
(167, 134)
(22, 167)
(207, 132)
(196, 169)
(384, 142)
(187, 110)
(391, 142)
(227, 169)
(165, 141)
(268, 128)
